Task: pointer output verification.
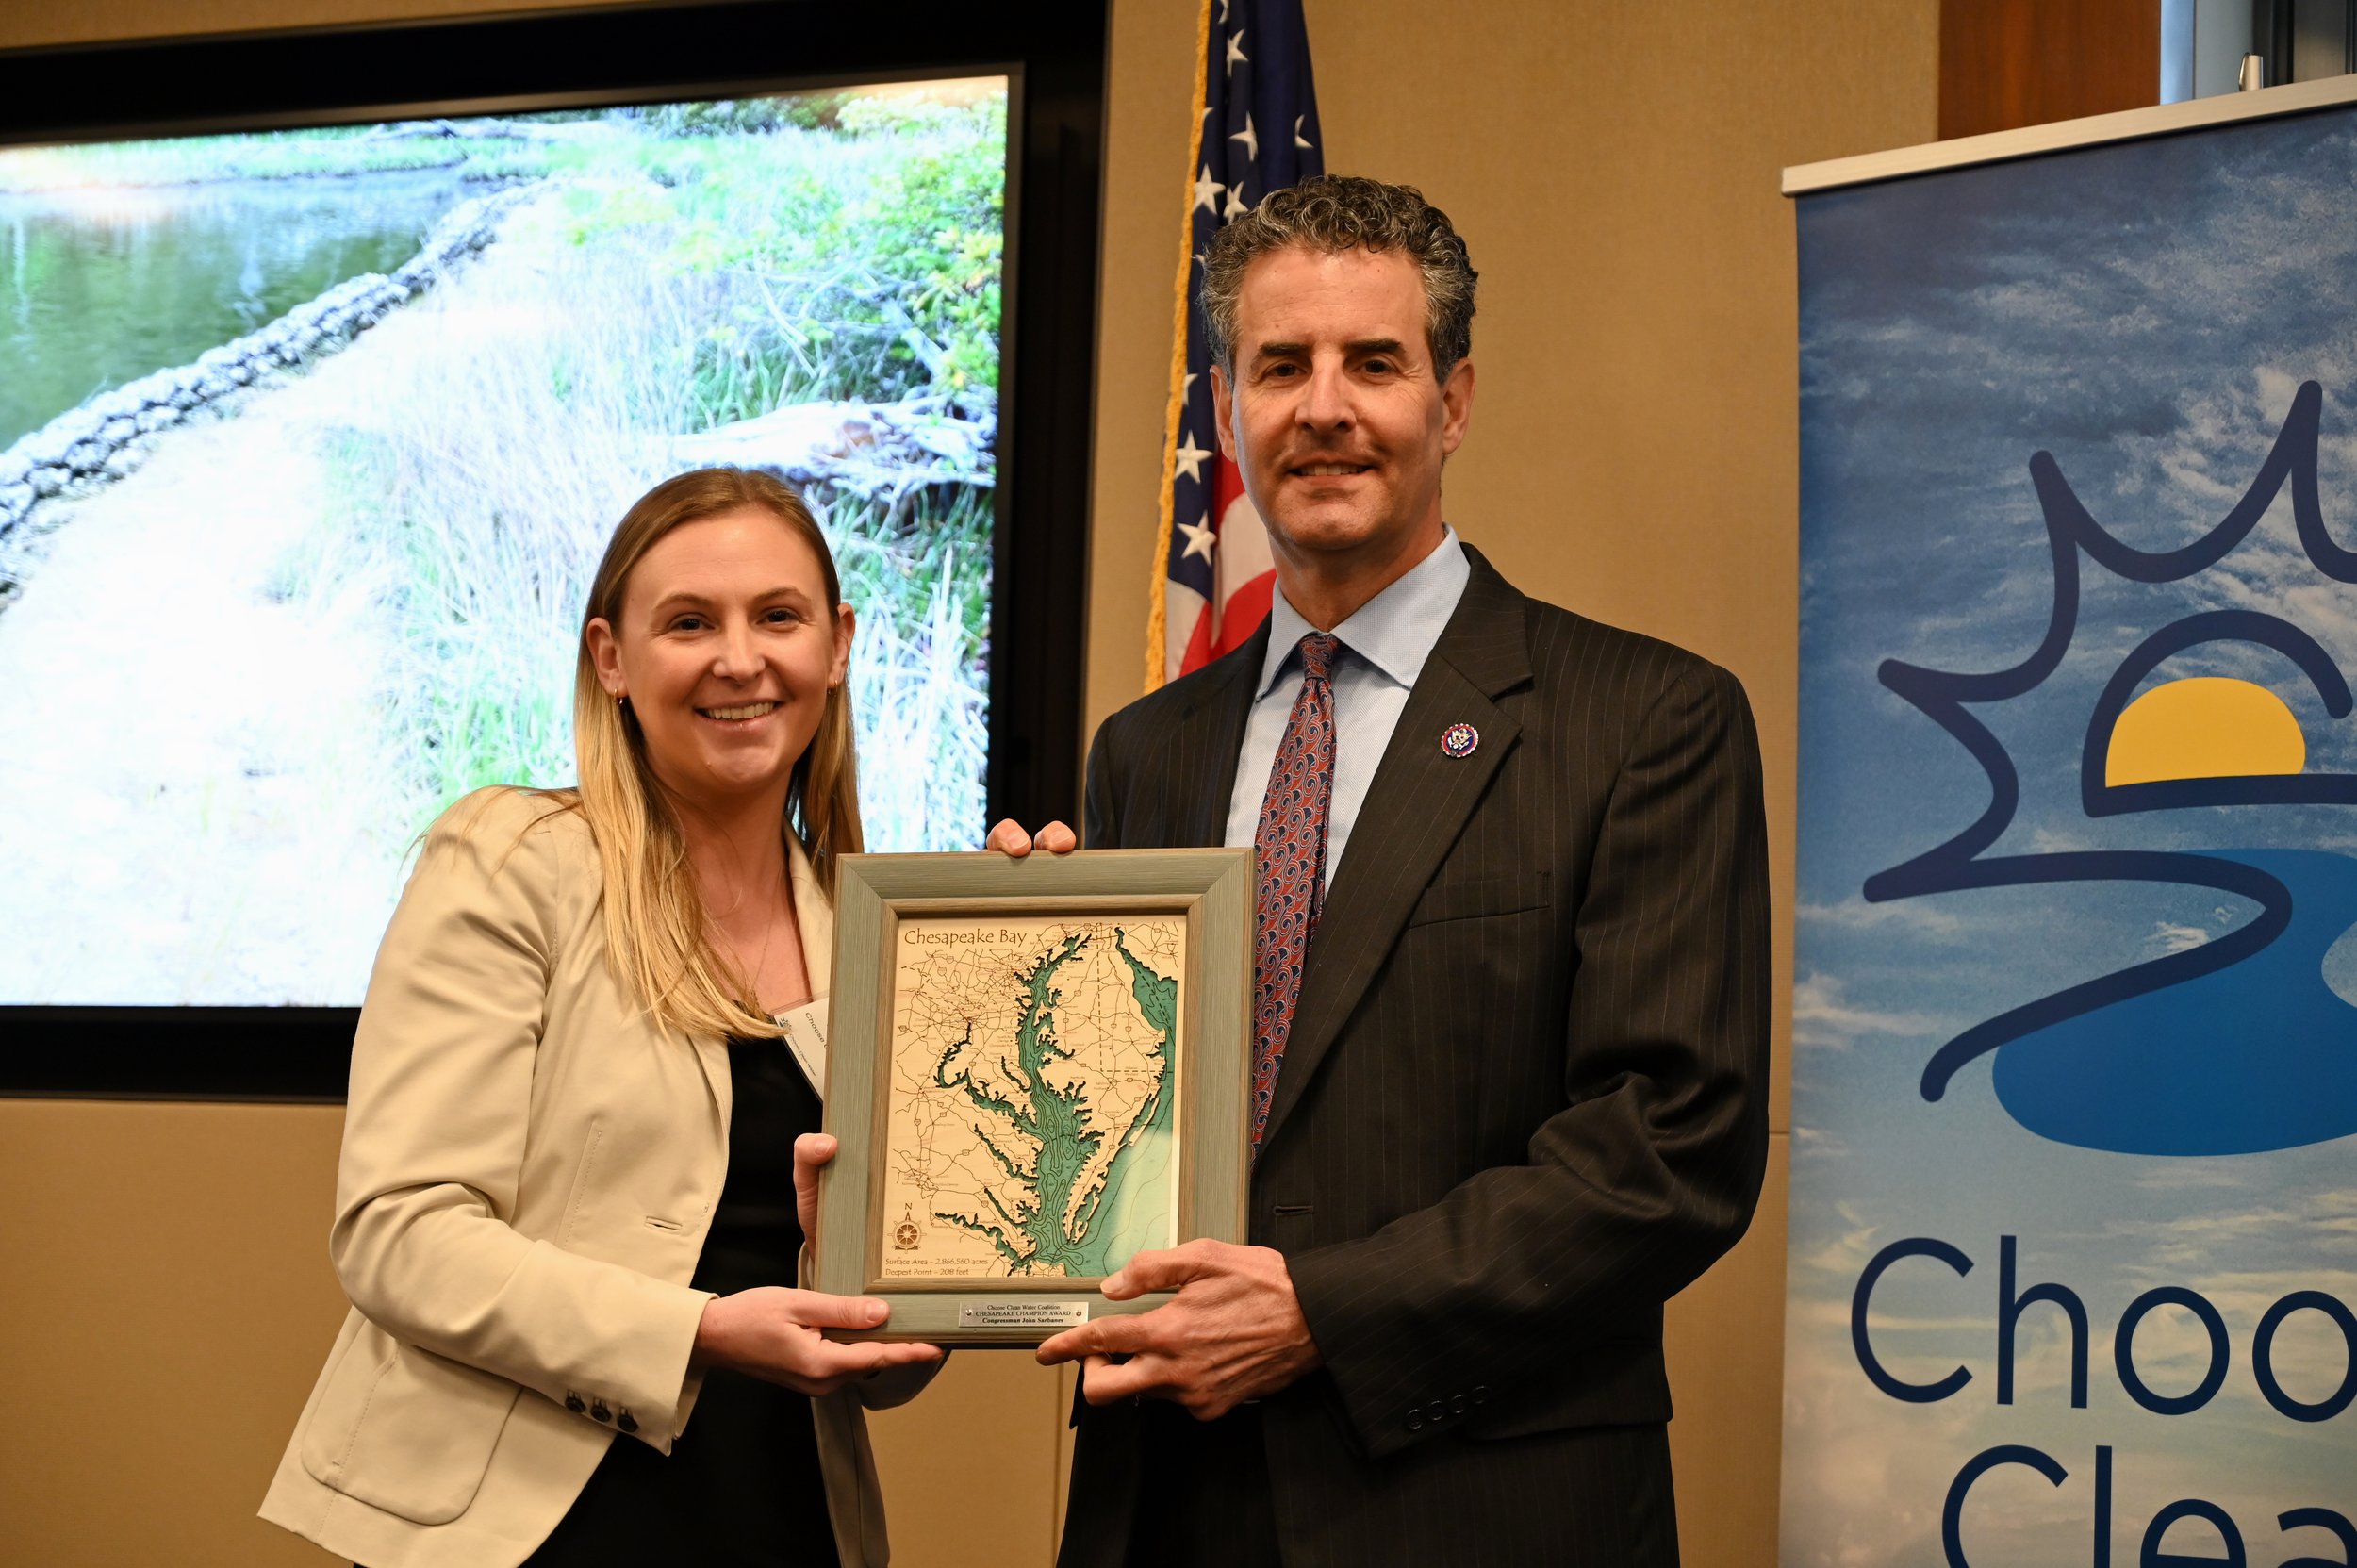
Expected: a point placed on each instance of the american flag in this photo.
(1257, 133)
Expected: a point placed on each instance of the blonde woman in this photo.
(568, 1211)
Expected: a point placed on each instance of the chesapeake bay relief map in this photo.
(1030, 1124)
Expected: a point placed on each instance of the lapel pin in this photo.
(1459, 740)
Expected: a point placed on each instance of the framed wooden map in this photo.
(1036, 1068)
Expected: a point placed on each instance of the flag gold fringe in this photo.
(1158, 609)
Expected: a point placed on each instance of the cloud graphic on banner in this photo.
(1822, 1017)
(2235, 1045)
(1856, 915)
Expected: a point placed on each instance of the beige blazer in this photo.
(529, 1167)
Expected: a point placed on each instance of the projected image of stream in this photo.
(310, 441)
(192, 783)
(100, 286)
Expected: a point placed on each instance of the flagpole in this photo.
(1174, 408)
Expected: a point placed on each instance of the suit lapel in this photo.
(1215, 723)
(1416, 806)
(813, 923)
(813, 918)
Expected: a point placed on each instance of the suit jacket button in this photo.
(1415, 1421)
(572, 1402)
(628, 1422)
(1481, 1394)
(599, 1413)
(1457, 1404)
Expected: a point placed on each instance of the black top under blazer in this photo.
(1524, 1098)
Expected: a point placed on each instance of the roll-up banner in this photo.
(2074, 1267)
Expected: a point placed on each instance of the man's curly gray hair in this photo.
(1336, 213)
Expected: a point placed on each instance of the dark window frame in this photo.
(1054, 54)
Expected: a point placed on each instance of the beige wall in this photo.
(166, 1292)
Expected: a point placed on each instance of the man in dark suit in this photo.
(1511, 985)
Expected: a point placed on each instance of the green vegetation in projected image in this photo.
(349, 412)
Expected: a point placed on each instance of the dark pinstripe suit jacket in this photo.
(1523, 1102)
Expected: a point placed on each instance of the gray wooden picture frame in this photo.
(1214, 890)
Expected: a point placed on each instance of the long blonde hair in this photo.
(656, 934)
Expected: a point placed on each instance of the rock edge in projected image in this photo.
(866, 448)
(106, 437)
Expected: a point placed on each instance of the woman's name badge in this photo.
(806, 1037)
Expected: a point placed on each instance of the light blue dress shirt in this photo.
(1384, 646)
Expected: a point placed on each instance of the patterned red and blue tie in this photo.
(1292, 846)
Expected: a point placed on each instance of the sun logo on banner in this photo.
(2234, 1046)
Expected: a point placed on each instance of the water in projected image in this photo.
(311, 440)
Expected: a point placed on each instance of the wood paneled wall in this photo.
(2008, 64)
